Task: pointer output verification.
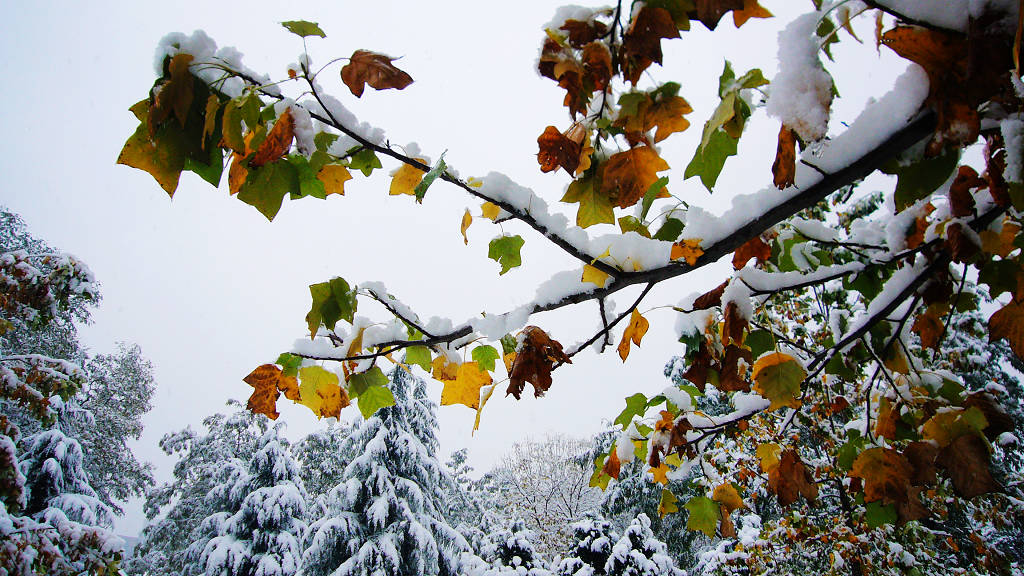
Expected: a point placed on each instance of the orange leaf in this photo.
(790, 479)
(557, 151)
(756, 247)
(659, 474)
(886, 474)
(612, 465)
(784, 167)
(1008, 322)
(278, 141)
(629, 174)
(634, 332)
(751, 9)
(688, 249)
(269, 381)
(928, 327)
(365, 67)
(727, 496)
(597, 63)
(534, 361)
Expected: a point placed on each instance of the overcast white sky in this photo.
(209, 289)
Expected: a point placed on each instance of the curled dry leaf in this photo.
(365, 67)
(534, 361)
(784, 167)
(269, 382)
(556, 151)
(790, 479)
(634, 333)
(278, 141)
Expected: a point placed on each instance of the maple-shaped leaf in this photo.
(269, 382)
(628, 174)
(365, 67)
(777, 377)
(634, 333)
(406, 178)
(371, 391)
(966, 460)
(277, 142)
(175, 94)
(755, 248)
(946, 426)
(557, 151)
(641, 44)
(533, 363)
(465, 388)
(726, 495)
(790, 479)
(784, 167)
(751, 9)
(162, 156)
(582, 32)
(320, 391)
(688, 250)
(885, 473)
(334, 177)
(332, 301)
(505, 250)
(704, 515)
(595, 206)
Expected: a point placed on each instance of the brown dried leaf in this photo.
(269, 381)
(734, 374)
(557, 151)
(784, 167)
(174, 95)
(711, 298)
(756, 247)
(921, 456)
(961, 200)
(581, 33)
(641, 44)
(597, 62)
(365, 67)
(612, 465)
(928, 326)
(278, 141)
(791, 479)
(628, 175)
(966, 460)
(709, 12)
(1008, 322)
(534, 360)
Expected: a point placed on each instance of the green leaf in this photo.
(370, 391)
(375, 398)
(876, 514)
(265, 187)
(919, 179)
(421, 189)
(708, 162)
(636, 405)
(651, 194)
(332, 301)
(304, 28)
(849, 451)
(595, 207)
(163, 158)
(704, 515)
(211, 170)
(777, 377)
(505, 251)
(725, 111)
(760, 341)
(309, 184)
(631, 224)
(359, 383)
(485, 356)
(629, 103)
(867, 282)
(365, 160)
(727, 80)
(826, 30)
(838, 367)
(508, 344)
(670, 230)
(290, 363)
(752, 79)
(418, 355)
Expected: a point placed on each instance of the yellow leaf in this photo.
(769, 456)
(467, 219)
(443, 370)
(406, 179)
(688, 249)
(474, 182)
(594, 276)
(727, 495)
(585, 154)
(660, 474)
(356, 346)
(490, 210)
(634, 333)
(777, 377)
(751, 9)
(334, 177)
(668, 504)
(485, 395)
(465, 388)
(320, 391)
(509, 359)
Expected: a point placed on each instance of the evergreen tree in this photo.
(639, 553)
(464, 507)
(322, 461)
(178, 508)
(594, 539)
(259, 531)
(513, 547)
(386, 515)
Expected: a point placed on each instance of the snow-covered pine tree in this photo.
(513, 547)
(178, 507)
(594, 539)
(321, 463)
(260, 529)
(386, 515)
(465, 510)
(639, 553)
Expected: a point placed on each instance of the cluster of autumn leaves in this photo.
(187, 124)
